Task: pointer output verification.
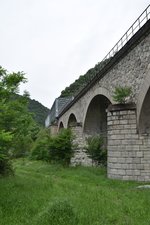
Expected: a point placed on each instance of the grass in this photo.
(43, 194)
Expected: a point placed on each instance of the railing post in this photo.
(146, 15)
(139, 23)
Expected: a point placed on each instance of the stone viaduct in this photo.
(126, 128)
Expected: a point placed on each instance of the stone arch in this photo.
(72, 121)
(61, 126)
(143, 106)
(97, 92)
(96, 116)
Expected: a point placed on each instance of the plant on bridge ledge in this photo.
(122, 94)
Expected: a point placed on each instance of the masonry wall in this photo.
(130, 71)
(80, 157)
(53, 130)
(128, 151)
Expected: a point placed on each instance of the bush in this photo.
(5, 142)
(61, 147)
(5, 165)
(40, 149)
(121, 94)
(58, 149)
(60, 212)
(95, 149)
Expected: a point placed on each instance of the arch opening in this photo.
(144, 119)
(72, 122)
(96, 117)
(61, 126)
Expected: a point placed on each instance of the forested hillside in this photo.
(39, 110)
(82, 81)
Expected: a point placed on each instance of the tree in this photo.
(15, 121)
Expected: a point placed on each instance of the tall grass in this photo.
(43, 194)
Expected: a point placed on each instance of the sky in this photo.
(55, 41)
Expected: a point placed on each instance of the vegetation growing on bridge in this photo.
(122, 94)
(83, 80)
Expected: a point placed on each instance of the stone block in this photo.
(112, 160)
(131, 112)
(116, 122)
(127, 177)
(124, 122)
(129, 160)
(139, 154)
(114, 142)
(136, 160)
(121, 172)
(131, 136)
(136, 172)
(114, 171)
(121, 160)
(117, 137)
(109, 122)
(129, 172)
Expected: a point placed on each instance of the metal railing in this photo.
(141, 20)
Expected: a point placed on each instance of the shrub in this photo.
(5, 165)
(61, 212)
(61, 147)
(95, 149)
(40, 149)
(5, 142)
(121, 94)
(58, 149)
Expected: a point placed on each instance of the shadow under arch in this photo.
(144, 117)
(143, 107)
(96, 116)
(61, 126)
(72, 121)
(98, 91)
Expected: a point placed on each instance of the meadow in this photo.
(44, 194)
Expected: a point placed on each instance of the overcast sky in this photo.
(56, 41)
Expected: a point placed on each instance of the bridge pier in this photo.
(128, 151)
(80, 156)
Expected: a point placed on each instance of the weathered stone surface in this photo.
(133, 163)
(127, 132)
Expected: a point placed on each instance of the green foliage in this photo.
(61, 147)
(95, 149)
(5, 165)
(56, 149)
(15, 121)
(121, 94)
(39, 111)
(5, 141)
(83, 80)
(60, 212)
(41, 191)
(40, 149)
